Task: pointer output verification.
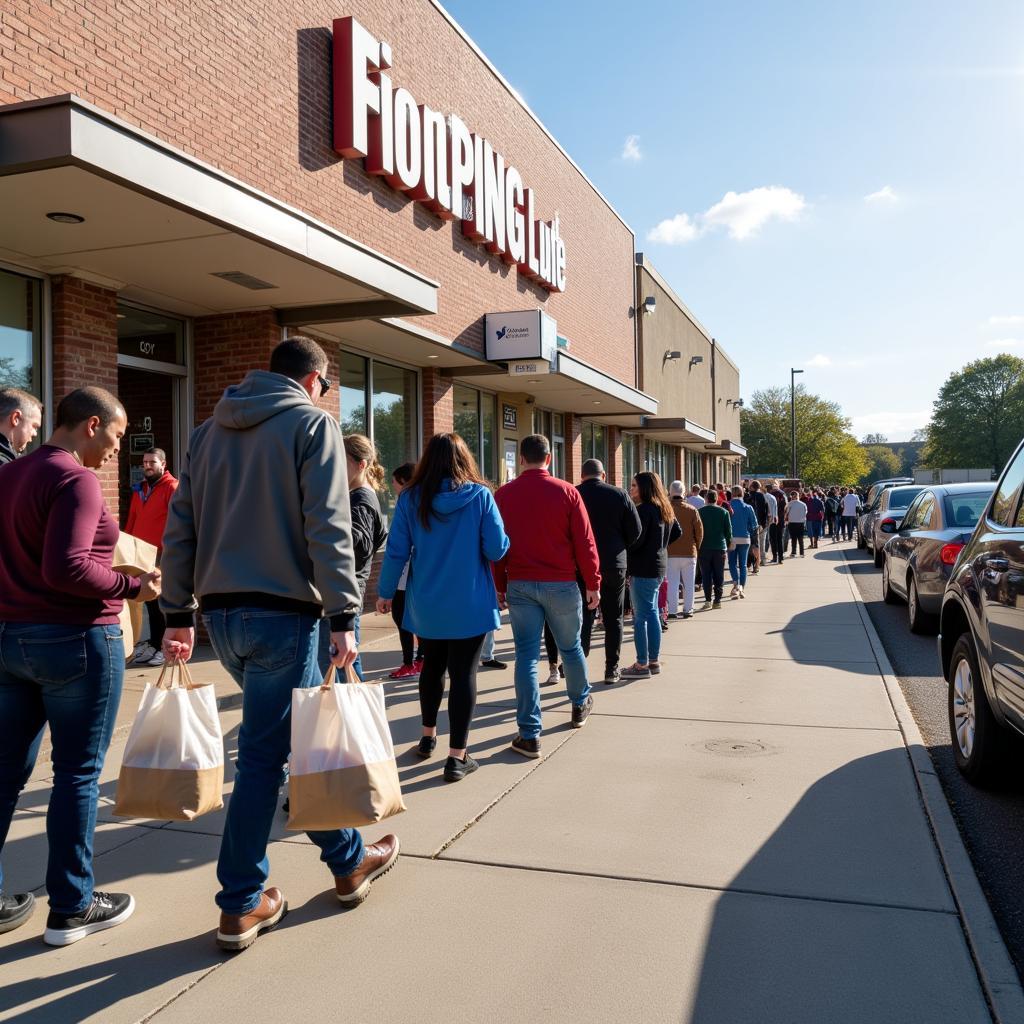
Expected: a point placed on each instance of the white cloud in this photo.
(742, 214)
(676, 230)
(819, 360)
(886, 194)
(1002, 344)
(892, 424)
(631, 149)
(1005, 321)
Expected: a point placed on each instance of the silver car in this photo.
(891, 507)
(922, 549)
(868, 512)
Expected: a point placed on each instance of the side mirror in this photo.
(890, 526)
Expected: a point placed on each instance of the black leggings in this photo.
(549, 643)
(460, 658)
(406, 638)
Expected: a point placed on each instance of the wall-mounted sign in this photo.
(509, 417)
(528, 367)
(524, 334)
(163, 348)
(437, 160)
(139, 444)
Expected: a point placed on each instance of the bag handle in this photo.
(329, 678)
(177, 673)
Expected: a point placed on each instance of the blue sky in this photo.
(802, 110)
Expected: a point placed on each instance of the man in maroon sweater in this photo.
(61, 651)
(550, 542)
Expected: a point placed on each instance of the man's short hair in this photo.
(158, 452)
(83, 403)
(534, 449)
(298, 357)
(592, 467)
(695, 489)
(755, 485)
(675, 489)
(16, 400)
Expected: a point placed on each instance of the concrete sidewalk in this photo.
(738, 839)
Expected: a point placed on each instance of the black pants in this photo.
(796, 536)
(460, 659)
(613, 603)
(550, 647)
(405, 637)
(712, 573)
(830, 524)
(776, 542)
(157, 624)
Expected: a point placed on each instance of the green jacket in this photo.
(717, 528)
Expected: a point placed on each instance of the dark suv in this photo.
(981, 643)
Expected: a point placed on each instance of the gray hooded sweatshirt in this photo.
(261, 515)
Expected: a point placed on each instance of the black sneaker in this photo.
(456, 770)
(15, 910)
(612, 675)
(717, 603)
(493, 663)
(426, 746)
(687, 615)
(107, 910)
(581, 712)
(528, 748)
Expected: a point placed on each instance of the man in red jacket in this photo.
(550, 542)
(147, 518)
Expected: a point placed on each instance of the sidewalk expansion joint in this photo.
(724, 889)
(734, 721)
(177, 995)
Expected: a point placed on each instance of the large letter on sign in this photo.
(356, 96)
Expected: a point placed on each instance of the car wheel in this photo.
(889, 596)
(879, 555)
(861, 544)
(979, 742)
(920, 621)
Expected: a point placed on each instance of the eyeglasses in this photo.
(325, 384)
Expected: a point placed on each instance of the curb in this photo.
(998, 977)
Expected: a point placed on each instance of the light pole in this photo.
(792, 414)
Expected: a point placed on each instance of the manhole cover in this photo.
(738, 748)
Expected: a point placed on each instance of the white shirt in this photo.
(850, 503)
(773, 506)
(695, 500)
(796, 512)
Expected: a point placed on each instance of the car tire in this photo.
(979, 742)
(879, 555)
(861, 543)
(889, 596)
(921, 622)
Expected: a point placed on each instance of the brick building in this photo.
(185, 184)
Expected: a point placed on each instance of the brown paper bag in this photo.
(133, 557)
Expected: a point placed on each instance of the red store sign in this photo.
(436, 160)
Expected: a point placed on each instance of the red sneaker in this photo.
(404, 672)
(418, 665)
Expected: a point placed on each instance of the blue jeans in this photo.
(814, 528)
(487, 652)
(268, 653)
(69, 676)
(643, 594)
(738, 561)
(529, 605)
(324, 647)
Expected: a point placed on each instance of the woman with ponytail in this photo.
(365, 478)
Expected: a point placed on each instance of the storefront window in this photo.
(660, 459)
(630, 458)
(476, 422)
(489, 447)
(552, 426)
(21, 332)
(595, 443)
(693, 468)
(352, 390)
(395, 423)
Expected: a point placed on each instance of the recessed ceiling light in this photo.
(533, 382)
(432, 357)
(596, 402)
(65, 218)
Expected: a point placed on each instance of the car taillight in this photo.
(949, 553)
(889, 522)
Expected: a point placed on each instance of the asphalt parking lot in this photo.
(991, 821)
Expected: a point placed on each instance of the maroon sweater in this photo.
(57, 544)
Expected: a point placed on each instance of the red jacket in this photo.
(147, 516)
(549, 533)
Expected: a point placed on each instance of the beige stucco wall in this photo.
(727, 386)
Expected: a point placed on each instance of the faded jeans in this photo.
(643, 592)
(738, 560)
(530, 604)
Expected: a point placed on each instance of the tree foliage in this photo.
(978, 417)
(883, 462)
(826, 450)
(875, 439)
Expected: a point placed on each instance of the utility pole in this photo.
(792, 415)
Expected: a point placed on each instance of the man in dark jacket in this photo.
(759, 503)
(21, 416)
(616, 526)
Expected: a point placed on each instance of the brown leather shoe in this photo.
(239, 931)
(377, 860)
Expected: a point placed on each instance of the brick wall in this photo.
(438, 404)
(85, 351)
(245, 87)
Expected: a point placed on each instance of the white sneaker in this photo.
(157, 660)
(142, 654)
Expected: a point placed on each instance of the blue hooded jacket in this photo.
(450, 594)
(744, 520)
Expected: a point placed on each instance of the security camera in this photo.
(530, 399)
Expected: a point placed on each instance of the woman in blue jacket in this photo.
(744, 527)
(446, 521)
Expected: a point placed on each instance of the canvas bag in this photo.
(132, 557)
(173, 765)
(343, 772)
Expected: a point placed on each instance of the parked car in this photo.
(981, 638)
(891, 507)
(920, 553)
(870, 506)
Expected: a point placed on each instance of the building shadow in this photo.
(315, 120)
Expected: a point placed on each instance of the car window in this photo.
(926, 512)
(901, 497)
(1004, 507)
(964, 510)
(913, 518)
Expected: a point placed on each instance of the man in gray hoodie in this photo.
(259, 540)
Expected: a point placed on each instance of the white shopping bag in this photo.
(342, 770)
(173, 766)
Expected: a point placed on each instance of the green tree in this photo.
(978, 417)
(875, 439)
(826, 450)
(883, 462)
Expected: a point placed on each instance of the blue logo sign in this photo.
(501, 333)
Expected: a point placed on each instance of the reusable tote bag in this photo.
(343, 771)
(173, 766)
